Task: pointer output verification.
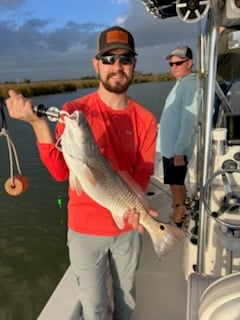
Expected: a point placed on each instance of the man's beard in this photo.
(118, 87)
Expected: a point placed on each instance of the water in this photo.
(33, 225)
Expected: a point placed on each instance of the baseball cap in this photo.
(182, 52)
(115, 38)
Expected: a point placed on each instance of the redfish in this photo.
(91, 172)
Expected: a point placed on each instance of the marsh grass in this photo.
(31, 89)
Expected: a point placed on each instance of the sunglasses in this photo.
(177, 63)
(124, 59)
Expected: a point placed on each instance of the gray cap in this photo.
(182, 52)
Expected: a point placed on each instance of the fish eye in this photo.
(162, 227)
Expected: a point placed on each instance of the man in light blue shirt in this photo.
(177, 132)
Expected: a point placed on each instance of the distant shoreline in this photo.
(32, 89)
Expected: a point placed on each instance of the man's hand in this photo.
(178, 160)
(20, 107)
(132, 218)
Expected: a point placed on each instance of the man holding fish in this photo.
(103, 236)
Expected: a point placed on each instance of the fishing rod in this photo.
(52, 113)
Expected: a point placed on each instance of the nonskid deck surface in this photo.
(161, 285)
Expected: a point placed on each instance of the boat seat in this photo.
(221, 300)
(197, 284)
(213, 298)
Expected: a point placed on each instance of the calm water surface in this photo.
(33, 253)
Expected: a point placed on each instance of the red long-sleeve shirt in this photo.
(126, 138)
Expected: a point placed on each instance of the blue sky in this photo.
(56, 39)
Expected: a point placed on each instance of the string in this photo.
(12, 152)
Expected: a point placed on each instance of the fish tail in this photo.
(165, 238)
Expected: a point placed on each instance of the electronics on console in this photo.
(232, 123)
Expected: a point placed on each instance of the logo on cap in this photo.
(116, 36)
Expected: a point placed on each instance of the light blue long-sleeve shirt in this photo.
(178, 122)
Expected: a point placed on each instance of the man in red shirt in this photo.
(125, 133)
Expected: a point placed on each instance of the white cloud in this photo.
(120, 1)
(36, 45)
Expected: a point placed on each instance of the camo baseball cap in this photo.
(115, 38)
(182, 52)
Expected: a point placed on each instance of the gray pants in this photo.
(91, 258)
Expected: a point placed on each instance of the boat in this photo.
(200, 278)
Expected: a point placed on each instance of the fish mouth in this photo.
(76, 116)
(74, 119)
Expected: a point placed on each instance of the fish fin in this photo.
(118, 220)
(74, 183)
(135, 188)
(89, 175)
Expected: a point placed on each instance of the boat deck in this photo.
(161, 285)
